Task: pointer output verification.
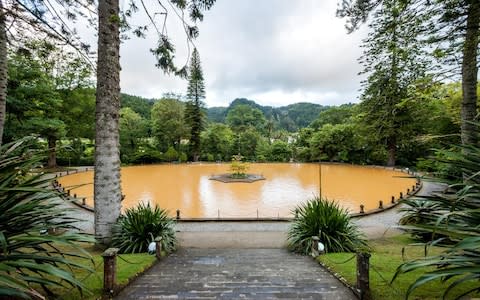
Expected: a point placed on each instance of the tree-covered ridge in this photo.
(290, 118)
(140, 105)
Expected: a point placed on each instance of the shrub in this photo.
(280, 151)
(325, 219)
(238, 168)
(183, 157)
(31, 257)
(261, 158)
(139, 226)
(147, 156)
(171, 154)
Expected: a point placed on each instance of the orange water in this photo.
(187, 187)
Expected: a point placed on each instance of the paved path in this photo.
(386, 223)
(262, 234)
(236, 274)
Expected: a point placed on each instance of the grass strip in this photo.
(386, 257)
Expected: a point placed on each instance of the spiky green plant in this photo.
(328, 221)
(32, 261)
(456, 218)
(141, 225)
(418, 211)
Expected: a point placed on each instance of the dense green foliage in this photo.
(328, 221)
(139, 105)
(168, 123)
(425, 117)
(34, 225)
(449, 33)
(290, 118)
(450, 219)
(48, 92)
(141, 225)
(148, 128)
(242, 117)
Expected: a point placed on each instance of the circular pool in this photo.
(188, 188)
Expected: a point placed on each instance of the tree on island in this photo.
(194, 115)
(238, 168)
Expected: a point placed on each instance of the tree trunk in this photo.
(392, 150)
(469, 74)
(107, 189)
(3, 71)
(52, 153)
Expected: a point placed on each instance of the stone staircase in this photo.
(236, 274)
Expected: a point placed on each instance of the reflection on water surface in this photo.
(187, 187)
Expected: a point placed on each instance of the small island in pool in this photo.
(227, 177)
(238, 172)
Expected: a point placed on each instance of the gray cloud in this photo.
(276, 52)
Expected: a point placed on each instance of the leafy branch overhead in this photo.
(165, 50)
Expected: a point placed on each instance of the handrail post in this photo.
(109, 270)
(363, 276)
(315, 240)
(158, 247)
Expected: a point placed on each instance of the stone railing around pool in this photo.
(394, 200)
(66, 194)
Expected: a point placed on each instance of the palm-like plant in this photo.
(456, 219)
(418, 211)
(327, 220)
(140, 226)
(30, 257)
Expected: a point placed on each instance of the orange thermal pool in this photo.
(187, 187)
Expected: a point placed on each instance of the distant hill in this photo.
(290, 117)
(140, 105)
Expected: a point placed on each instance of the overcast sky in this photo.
(275, 52)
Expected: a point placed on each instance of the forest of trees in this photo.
(158, 130)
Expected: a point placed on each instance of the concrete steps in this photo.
(236, 274)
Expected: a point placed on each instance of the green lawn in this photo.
(128, 266)
(386, 257)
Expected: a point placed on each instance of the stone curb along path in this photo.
(236, 274)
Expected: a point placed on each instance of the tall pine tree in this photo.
(453, 28)
(194, 114)
(394, 59)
